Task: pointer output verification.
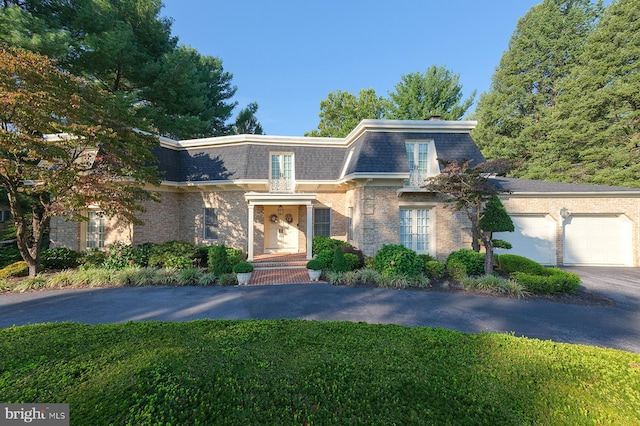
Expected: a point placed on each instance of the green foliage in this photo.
(325, 256)
(235, 255)
(328, 373)
(341, 112)
(473, 261)
(60, 258)
(501, 244)
(553, 282)
(219, 261)
(119, 255)
(370, 277)
(339, 263)
(94, 258)
(246, 121)
(168, 254)
(321, 243)
(456, 269)
(495, 217)
(315, 265)
(16, 269)
(436, 92)
(242, 267)
(353, 261)
(395, 259)
(434, 269)
(9, 255)
(509, 263)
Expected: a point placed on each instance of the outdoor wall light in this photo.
(564, 213)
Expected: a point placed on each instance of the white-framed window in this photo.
(421, 161)
(281, 172)
(95, 230)
(210, 223)
(415, 229)
(322, 222)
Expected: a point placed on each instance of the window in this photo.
(322, 222)
(414, 229)
(418, 156)
(210, 224)
(350, 228)
(281, 175)
(5, 216)
(95, 230)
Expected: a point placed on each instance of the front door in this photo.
(281, 229)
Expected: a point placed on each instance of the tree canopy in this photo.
(417, 97)
(127, 46)
(437, 92)
(65, 144)
(246, 121)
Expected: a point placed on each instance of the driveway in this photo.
(615, 326)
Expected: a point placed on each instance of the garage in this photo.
(534, 237)
(598, 240)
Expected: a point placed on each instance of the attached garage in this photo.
(598, 240)
(534, 237)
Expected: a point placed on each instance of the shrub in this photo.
(434, 269)
(339, 263)
(242, 267)
(32, 283)
(9, 255)
(207, 279)
(557, 281)
(235, 255)
(161, 253)
(93, 258)
(321, 243)
(394, 259)
(472, 261)
(219, 261)
(16, 269)
(425, 257)
(142, 253)
(315, 265)
(493, 284)
(59, 258)
(457, 270)
(227, 279)
(189, 276)
(509, 263)
(119, 256)
(326, 258)
(356, 252)
(353, 261)
(178, 262)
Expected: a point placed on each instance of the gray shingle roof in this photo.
(539, 186)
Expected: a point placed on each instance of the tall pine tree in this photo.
(542, 51)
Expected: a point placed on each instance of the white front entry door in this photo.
(281, 231)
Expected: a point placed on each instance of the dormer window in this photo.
(420, 155)
(281, 173)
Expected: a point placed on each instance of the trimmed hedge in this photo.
(555, 281)
(16, 269)
(509, 263)
(59, 258)
(472, 261)
(434, 269)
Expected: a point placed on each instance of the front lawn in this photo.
(301, 372)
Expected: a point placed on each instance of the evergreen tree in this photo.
(525, 86)
(246, 122)
(594, 133)
(437, 92)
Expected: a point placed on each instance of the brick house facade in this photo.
(273, 194)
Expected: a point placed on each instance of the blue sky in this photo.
(288, 55)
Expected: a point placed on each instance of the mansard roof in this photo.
(374, 147)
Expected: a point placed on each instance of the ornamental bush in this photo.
(555, 281)
(472, 261)
(395, 259)
(16, 269)
(353, 261)
(160, 253)
(59, 258)
(434, 269)
(321, 243)
(509, 263)
(219, 261)
(339, 263)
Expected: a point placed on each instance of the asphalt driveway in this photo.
(616, 326)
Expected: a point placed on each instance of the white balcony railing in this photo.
(416, 179)
(282, 185)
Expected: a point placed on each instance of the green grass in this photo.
(287, 372)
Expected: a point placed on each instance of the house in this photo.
(269, 194)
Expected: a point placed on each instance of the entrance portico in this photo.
(280, 221)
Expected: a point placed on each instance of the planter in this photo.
(243, 277)
(314, 275)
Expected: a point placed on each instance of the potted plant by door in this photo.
(314, 267)
(243, 272)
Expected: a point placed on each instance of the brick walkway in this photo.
(280, 269)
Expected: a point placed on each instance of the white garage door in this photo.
(598, 240)
(534, 237)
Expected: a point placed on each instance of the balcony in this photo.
(282, 185)
(416, 179)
